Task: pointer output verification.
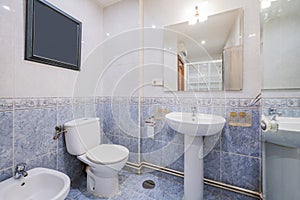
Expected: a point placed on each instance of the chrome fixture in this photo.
(194, 110)
(254, 100)
(150, 121)
(59, 130)
(263, 125)
(20, 170)
(273, 112)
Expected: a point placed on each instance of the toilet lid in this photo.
(107, 153)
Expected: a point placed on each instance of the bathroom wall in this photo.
(20, 78)
(133, 47)
(236, 154)
(280, 45)
(34, 97)
(160, 15)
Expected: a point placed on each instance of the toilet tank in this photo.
(82, 134)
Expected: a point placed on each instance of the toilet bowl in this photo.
(104, 160)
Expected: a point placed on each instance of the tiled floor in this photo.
(131, 189)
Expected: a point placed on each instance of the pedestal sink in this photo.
(194, 127)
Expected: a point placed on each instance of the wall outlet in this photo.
(157, 82)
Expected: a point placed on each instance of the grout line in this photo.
(35, 108)
(40, 156)
(4, 169)
(8, 110)
(13, 139)
(57, 141)
(242, 155)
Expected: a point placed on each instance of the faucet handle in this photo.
(274, 111)
(20, 167)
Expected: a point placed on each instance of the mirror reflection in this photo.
(205, 56)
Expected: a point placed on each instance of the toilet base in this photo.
(103, 187)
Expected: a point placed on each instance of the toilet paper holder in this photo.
(150, 121)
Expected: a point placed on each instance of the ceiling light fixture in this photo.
(200, 17)
(266, 3)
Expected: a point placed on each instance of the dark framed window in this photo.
(52, 36)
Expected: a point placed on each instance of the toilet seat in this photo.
(107, 154)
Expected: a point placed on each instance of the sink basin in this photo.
(40, 184)
(194, 128)
(288, 132)
(198, 125)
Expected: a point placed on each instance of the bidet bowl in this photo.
(40, 184)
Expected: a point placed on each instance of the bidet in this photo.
(39, 184)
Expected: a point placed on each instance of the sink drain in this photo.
(148, 184)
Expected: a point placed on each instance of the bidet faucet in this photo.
(273, 112)
(194, 110)
(20, 170)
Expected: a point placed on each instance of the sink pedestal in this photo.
(193, 167)
(194, 127)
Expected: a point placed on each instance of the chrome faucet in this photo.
(20, 171)
(273, 112)
(194, 110)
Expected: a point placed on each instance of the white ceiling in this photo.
(214, 32)
(105, 3)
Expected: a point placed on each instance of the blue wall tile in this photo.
(166, 134)
(130, 142)
(212, 166)
(91, 110)
(78, 111)
(6, 141)
(48, 160)
(5, 174)
(133, 109)
(127, 121)
(211, 193)
(227, 195)
(243, 140)
(34, 131)
(110, 120)
(150, 145)
(64, 114)
(70, 165)
(173, 156)
(145, 113)
(241, 171)
(177, 164)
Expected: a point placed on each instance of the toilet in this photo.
(104, 160)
